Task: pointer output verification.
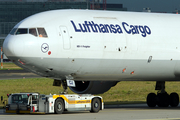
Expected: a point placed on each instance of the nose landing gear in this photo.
(63, 83)
(162, 99)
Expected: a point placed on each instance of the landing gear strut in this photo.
(162, 99)
(63, 83)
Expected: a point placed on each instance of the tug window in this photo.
(22, 31)
(33, 31)
(17, 98)
(42, 32)
(13, 31)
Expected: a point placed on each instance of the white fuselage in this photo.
(99, 45)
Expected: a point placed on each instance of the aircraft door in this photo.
(65, 37)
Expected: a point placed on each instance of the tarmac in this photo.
(16, 74)
(111, 112)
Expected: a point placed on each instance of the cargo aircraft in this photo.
(90, 51)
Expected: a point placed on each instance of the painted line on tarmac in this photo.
(164, 119)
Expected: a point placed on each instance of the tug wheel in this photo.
(59, 106)
(95, 105)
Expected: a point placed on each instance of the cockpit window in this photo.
(22, 31)
(33, 31)
(13, 31)
(42, 32)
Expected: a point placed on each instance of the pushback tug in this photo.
(39, 103)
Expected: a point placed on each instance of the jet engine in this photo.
(92, 87)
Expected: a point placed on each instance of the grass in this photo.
(128, 91)
(123, 92)
(10, 66)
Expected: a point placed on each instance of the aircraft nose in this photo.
(8, 46)
(13, 46)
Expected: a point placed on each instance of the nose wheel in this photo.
(162, 99)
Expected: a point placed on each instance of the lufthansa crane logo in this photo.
(44, 47)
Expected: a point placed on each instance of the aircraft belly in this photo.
(126, 70)
(102, 69)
